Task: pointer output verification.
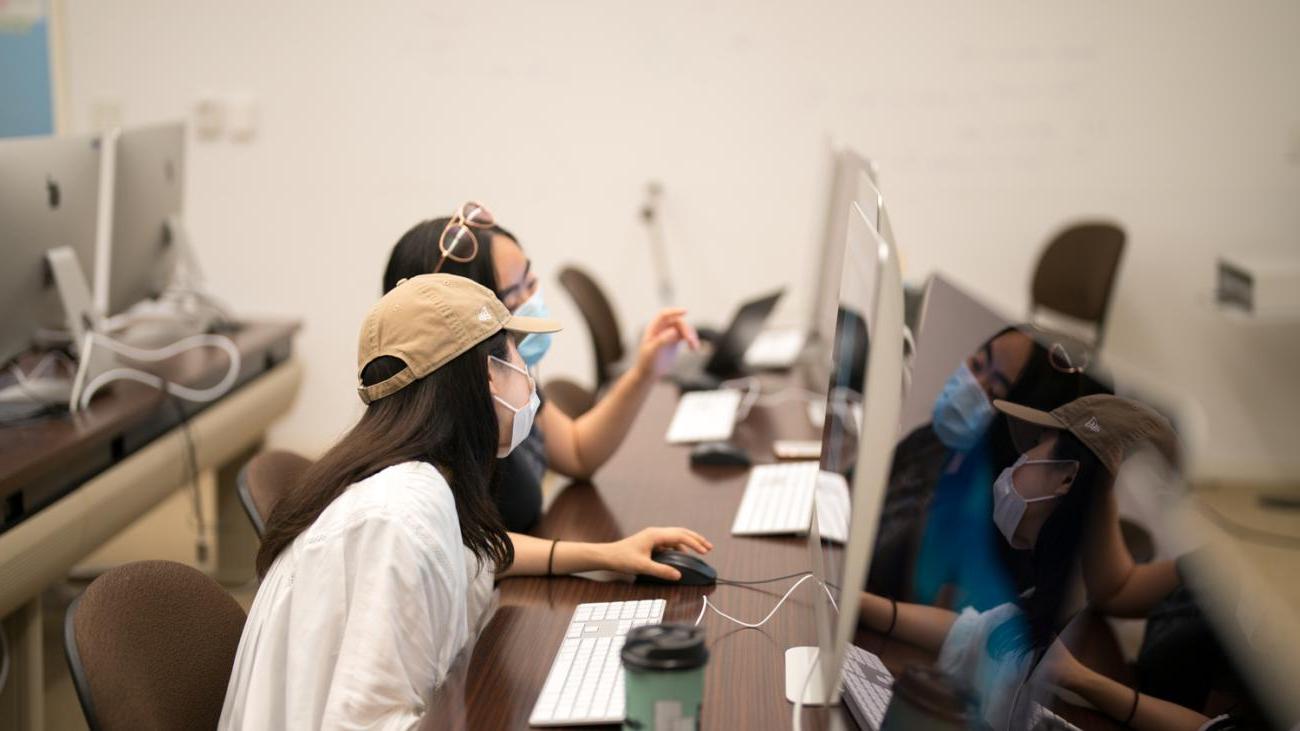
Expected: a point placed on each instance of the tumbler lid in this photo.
(665, 647)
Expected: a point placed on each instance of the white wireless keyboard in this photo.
(585, 685)
(775, 348)
(868, 686)
(833, 506)
(704, 416)
(778, 499)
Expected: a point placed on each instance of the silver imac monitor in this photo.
(148, 190)
(855, 186)
(846, 187)
(864, 402)
(49, 198)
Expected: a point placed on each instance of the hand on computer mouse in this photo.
(662, 338)
(632, 554)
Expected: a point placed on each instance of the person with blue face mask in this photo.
(534, 345)
(963, 411)
(472, 244)
(1055, 504)
(935, 482)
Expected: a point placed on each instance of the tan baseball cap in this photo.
(428, 320)
(1109, 426)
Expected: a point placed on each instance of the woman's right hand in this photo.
(632, 554)
(659, 343)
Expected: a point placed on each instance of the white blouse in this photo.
(997, 681)
(361, 616)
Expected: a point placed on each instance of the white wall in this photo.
(993, 124)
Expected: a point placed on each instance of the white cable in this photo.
(751, 625)
(149, 379)
(37, 371)
(752, 388)
(796, 716)
(51, 357)
(796, 719)
(754, 395)
(789, 393)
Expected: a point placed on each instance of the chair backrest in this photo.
(4, 659)
(572, 399)
(264, 479)
(1077, 271)
(606, 338)
(150, 646)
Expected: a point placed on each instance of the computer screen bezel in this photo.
(140, 259)
(49, 197)
(882, 401)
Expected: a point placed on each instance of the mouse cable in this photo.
(754, 625)
(825, 585)
(737, 582)
(752, 389)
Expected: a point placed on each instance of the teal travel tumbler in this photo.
(664, 673)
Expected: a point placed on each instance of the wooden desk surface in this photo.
(59, 452)
(649, 482)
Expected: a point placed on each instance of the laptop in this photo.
(727, 359)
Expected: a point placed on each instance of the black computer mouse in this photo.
(695, 572)
(723, 454)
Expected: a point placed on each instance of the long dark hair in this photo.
(446, 419)
(1056, 552)
(417, 253)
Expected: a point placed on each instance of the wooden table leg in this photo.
(236, 541)
(22, 700)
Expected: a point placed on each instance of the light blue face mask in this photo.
(534, 345)
(963, 412)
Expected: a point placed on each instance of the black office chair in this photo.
(602, 323)
(264, 479)
(1076, 274)
(150, 645)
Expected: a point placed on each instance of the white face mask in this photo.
(1009, 505)
(522, 421)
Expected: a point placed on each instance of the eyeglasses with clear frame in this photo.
(459, 233)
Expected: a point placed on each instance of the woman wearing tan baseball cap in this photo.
(1056, 501)
(472, 244)
(377, 568)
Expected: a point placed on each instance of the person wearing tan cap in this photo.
(940, 473)
(1057, 501)
(472, 244)
(377, 568)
